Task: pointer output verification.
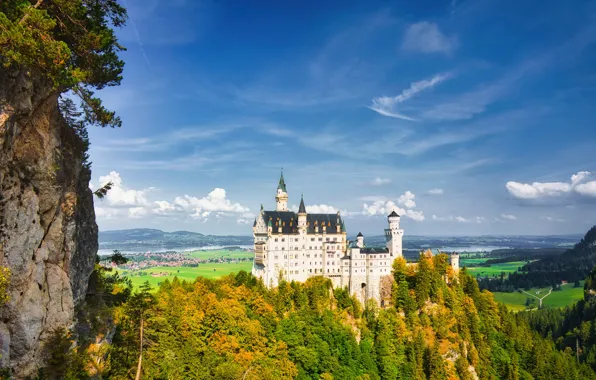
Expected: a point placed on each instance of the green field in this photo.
(463, 261)
(496, 269)
(517, 301)
(208, 270)
(212, 254)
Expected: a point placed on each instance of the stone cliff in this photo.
(48, 234)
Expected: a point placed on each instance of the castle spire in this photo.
(302, 209)
(282, 183)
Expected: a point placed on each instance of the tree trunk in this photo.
(141, 354)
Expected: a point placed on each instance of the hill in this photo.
(146, 238)
(572, 328)
(573, 265)
(440, 326)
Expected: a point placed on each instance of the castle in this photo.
(295, 246)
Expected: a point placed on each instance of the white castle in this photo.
(295, 246)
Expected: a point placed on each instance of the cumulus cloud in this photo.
(318, 209)
(124, 202)
(509, 216)
(121, 196)
(385, 105)
(215, 201)
(588, 189)
(407, 199)
(385, 208)
(378, 181)
(435, 192)
(541, 190)
(425, 37)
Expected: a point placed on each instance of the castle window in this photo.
(312, 239)
(283, 248)
(283, 239)
(275, 239)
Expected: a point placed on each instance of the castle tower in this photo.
(282, 195)
(454, 260)
(360, 240)
(394, 235)
(302, 216)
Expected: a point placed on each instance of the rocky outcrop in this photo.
(48, 234)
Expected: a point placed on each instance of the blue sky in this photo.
(466, 116)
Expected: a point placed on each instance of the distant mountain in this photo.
(147, 238)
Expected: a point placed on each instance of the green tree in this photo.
(70, 43)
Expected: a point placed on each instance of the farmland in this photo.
(517, 300)
(157, 275)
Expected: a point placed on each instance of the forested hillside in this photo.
(574, 327)
(441, 327)
(573, 265)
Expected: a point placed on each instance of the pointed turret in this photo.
(282, 184)
(302, 209)
(282, 195)
(302, 216)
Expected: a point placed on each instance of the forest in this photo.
(441, 326)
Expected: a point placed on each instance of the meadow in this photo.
(516, 301)
(208, 270)
(496, 269)
(217, 253)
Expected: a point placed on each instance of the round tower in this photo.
(394, 235)
(454, 259)
(281, 198)
(360, 240)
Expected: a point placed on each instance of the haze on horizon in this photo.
(470, 117)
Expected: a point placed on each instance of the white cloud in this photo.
(459, 219)
(435, 192)
(385, 105)
(378, 181)
(551, 219)
(243, 221)
(426, 37)
(215, 201)
(137, 212)
(124, 202)
(119, 195)
(538, 190)
(386, 207)
(509, 216)
(318, 209)
(588, 188)
(407, 199)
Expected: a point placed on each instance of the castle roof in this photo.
(288, 221)
(393, 213)
(359, 234)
